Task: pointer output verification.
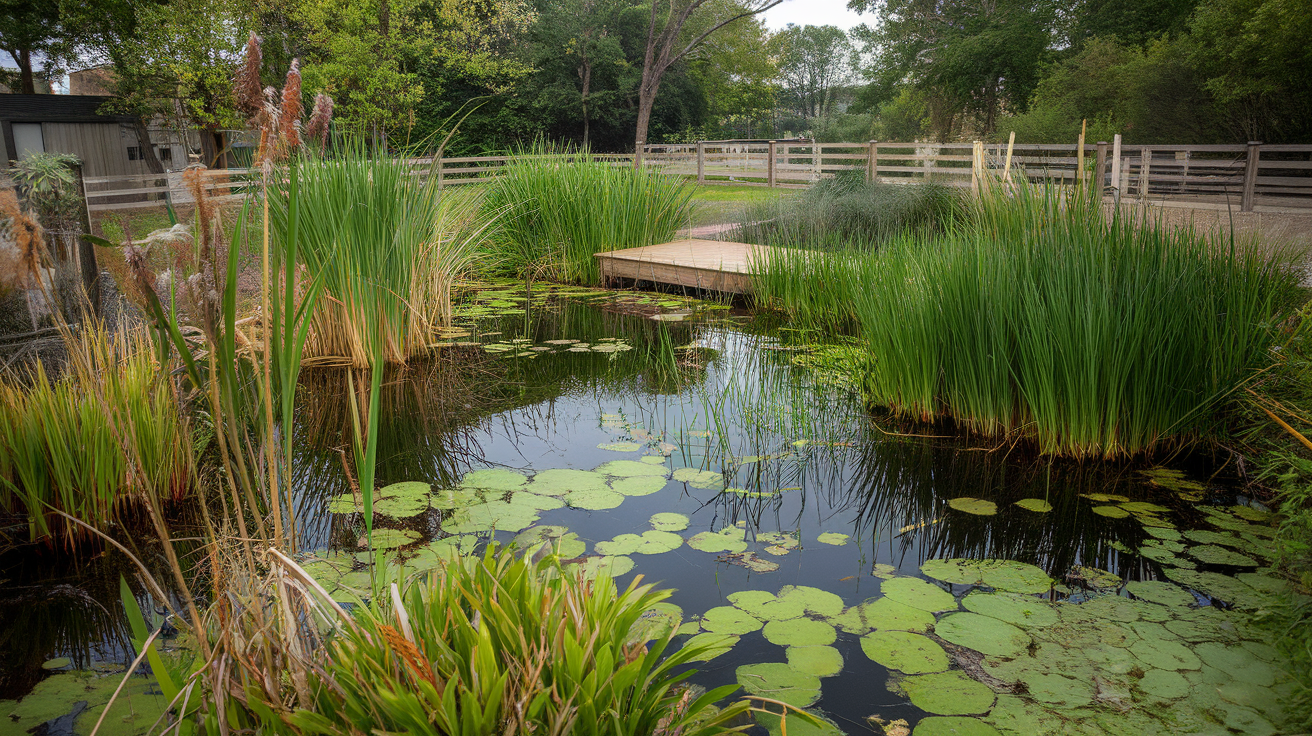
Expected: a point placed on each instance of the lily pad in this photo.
(596, 565)
(667, 521)
(767, 606)
(629, 469)
(1220, 587)
(620, 446)
(1105, 497)
(1158, 591)
(780, 682)
(1036, 505)
(1020, 610)
(883, 614)
(918, 594)
(656, 622)
(703, 479)
(821, 661)
(914, 654)
(1058, 690)
(1005, 575)
(815, 601)
(1210, 554)
(948, 694)
(58, 663)
(560, 481)
(454, 498)
(983, 634)
(493, 515)
(652, 459)
(728, 539)
(1093, 577)
(799, 632)
(345, 503)
(393, 538)
(749, 560)
(1165, 654)
(1111, 512)
(729, 620)
(494, 479)
(976, 506)
(639, 485)
(835, 538)
(648, 543)
(594, 500)
(953, 726)
(1164, 684)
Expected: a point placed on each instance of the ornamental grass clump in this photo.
(557, 210)
(104, 436)
(1039, 316)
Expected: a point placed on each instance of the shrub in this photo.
(556, 211)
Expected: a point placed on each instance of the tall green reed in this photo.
(557, 210)
(1039, 315)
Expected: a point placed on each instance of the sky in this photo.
(814, 13)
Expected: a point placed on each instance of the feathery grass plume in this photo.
(247, 88)
(270, 123)
(58, 450)
(1039, 316)
(289, 131)
(20, 243)
(320, 118)
(559, 209)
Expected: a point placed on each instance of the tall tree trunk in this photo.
(27, 81)
(147, 148)
(209, 146)
(645, 101)
(585, 71)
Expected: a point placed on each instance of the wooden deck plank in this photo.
(714, 265)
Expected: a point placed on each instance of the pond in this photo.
(883, 576)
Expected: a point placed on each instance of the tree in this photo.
(582, 35)
(813, 62)
(32, 29)
(736, 70)
(1131, 22)
(666, 46)
(968, 56)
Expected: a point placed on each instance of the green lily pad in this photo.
(918, 594)
(454, 498)
(596, 565)
(1005, 575)
(713, 645)
(953, 726)
(799, 632)
(490, 516)
(1162, 555)
(1058, 690)
(494, 479)
(818, 660)
(728, 539)
(1111, 512)
(815, 601)
(1020, 610)
(345, 503)
(629, 469)
(703, 479)
(667, 521)
(1143, 507)
(767, 606)
(729, 620)
(58, 663)
(1220, 587)
(1164, 684)
(1105, 497)
(983, 634)
(835, 538)
(749, 560)
(656, 622)
(1240, 663)
(594, 500)
(393, 538)
(1165, 654)
(620, 446)
(1036, 505)
(652, 459)
(1210, 554)
(780, 682)
(883, 614)
(914, 654)
(561, 481)
(638, 485)
(647, 543)
(976, 506)
(1158, 591)
(949, 693)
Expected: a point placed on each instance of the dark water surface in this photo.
(716, 392)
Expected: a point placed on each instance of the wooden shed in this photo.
(108, 145)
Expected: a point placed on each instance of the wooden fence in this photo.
(1251, 177)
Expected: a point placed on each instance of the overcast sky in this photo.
(814, 13)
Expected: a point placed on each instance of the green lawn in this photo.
(719, 203)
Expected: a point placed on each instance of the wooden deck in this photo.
(713, 265)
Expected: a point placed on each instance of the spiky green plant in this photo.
(557, 210)
(1040, 316)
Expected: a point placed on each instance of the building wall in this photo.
(102, 147)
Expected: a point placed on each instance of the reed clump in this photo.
(387, 246)
(849, 212)
(104, 435)
(556, 210)
(1039, 316)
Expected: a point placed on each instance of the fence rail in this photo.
(1247, 177)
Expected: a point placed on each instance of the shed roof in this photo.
(56, 109)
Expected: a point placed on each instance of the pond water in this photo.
(879, 577)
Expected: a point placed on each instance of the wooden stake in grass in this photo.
(1081, 176)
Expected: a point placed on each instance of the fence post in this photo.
(815, 160)
(701, 162)
(1145, 172)
(1100, 167)
(439, 170)
(872, 162)
(1116, 168)
(1250, 175)
(86, 252)
(1184, 173)
(769, 165)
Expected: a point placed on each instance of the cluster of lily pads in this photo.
(72, 700)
